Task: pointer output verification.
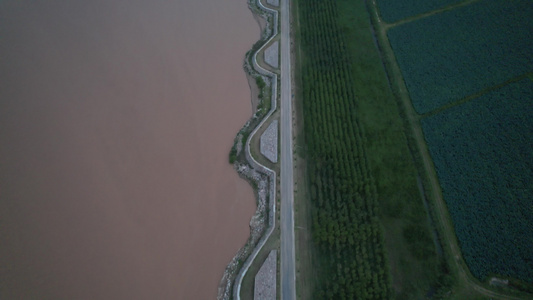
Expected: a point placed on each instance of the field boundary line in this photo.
(476, 95)
(428, 14)
(255, 164)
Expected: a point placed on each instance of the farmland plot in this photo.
(483, 158)
(458, 53)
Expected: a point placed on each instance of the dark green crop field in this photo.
(394, 10)
(457, 53)
(482, 151)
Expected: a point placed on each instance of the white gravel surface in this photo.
(273, 2)
(272, 55)
(269, 142)
(265, 280)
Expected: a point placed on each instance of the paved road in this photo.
(288, 274)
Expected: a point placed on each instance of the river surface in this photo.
(116, 120)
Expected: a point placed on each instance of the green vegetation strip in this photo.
(345, 225)
(370, 228)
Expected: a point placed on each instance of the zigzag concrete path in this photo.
(256, 165)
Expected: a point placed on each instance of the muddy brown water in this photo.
(116, 120)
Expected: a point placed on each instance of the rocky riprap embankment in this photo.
(257, 226)
(262, 178)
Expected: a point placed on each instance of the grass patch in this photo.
(306, 281)
(416, 269)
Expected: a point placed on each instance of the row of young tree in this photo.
(346, 229)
